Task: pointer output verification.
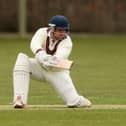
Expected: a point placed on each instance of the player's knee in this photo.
(22, 63)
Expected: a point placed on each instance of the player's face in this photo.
(59, 34)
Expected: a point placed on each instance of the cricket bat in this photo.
(64, 64)
(60, 64)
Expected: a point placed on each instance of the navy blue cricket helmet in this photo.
(59, 22)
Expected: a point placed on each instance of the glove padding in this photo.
(41, 56)
(47, 61)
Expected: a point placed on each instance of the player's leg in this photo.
(36, 71)
(63, 84)
(21, 80)
(24, 68)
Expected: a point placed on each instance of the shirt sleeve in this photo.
(38, 39)
(64, 49)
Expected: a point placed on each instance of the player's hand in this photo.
(46, 61)
(50, 63)
(42, 57)
(52, 60)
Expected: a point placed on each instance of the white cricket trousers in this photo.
(26, 67)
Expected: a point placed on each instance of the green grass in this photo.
(99, 73)
(63, 118)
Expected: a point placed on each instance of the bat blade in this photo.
(64, 64)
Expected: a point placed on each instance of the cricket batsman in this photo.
(51, 47)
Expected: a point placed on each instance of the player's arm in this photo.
(37, 40)
(62, 54)
(59, 60)
(64, 49)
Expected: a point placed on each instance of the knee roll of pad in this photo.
(22, 63)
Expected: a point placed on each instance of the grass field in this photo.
(99, 73)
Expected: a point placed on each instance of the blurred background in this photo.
(99, 52)
(89, 16)
(98, 30)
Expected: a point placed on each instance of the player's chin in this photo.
(61, 37)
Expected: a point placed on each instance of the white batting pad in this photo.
(21, 77)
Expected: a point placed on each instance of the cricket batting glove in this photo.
(42, 57)
(47, 61)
